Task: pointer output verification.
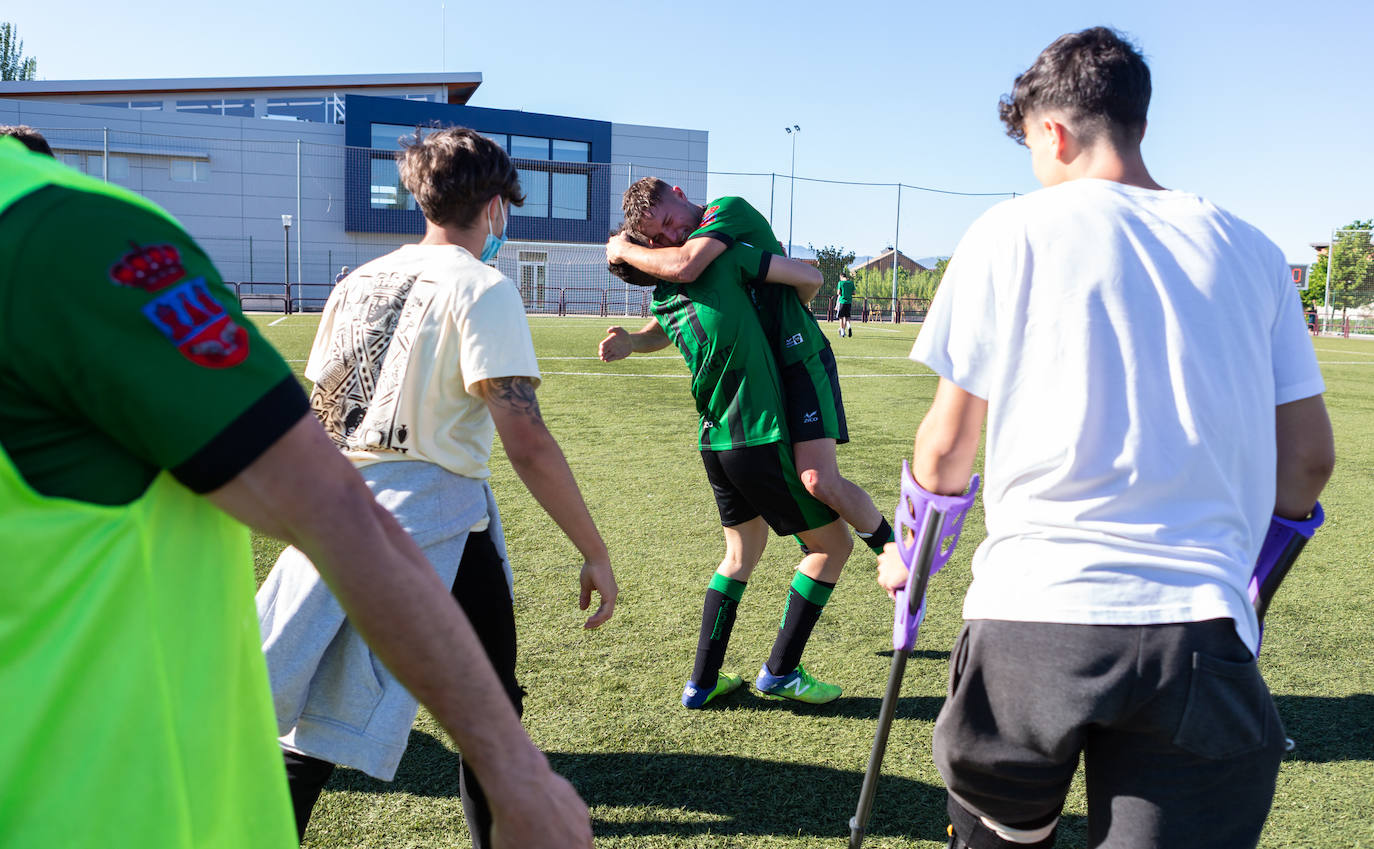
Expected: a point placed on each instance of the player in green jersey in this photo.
(844, 299)
(692, 237)
(743, 442)
(139, 412)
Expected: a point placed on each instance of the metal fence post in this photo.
(105, 154)
(250, 259)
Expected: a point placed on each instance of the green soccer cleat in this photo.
(694, 697)
(798, 686)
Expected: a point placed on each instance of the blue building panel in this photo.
(373, 206)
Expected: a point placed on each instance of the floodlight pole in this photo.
(286, 262)
(1330, 263)
(793, 131)
(895, 236)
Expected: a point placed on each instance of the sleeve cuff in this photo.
(235, 447)
(764, 264)
(718, 235)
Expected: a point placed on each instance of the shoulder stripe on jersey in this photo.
(718, 235)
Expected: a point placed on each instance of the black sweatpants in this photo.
(480, 590)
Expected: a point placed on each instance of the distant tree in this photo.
(1351, 261)
(13, 64)
(831, 261)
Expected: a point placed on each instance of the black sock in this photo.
(717, 618)
(881, 536)
(805, 600)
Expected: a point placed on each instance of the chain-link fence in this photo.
(282, 219)
(1340, 284)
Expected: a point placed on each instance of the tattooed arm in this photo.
(537, 459)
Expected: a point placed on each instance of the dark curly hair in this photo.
(627, 272)
(1096, 75)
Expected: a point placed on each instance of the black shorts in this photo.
(844, 310)
(762, 480)
(811, 395)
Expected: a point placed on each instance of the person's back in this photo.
(1137, 445)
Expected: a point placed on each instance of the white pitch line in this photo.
(679, 376)
(278, 321)
(1339, 351)
(1345, 362)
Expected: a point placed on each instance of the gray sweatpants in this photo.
(1180, 738)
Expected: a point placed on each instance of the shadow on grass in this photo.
(921, 708)
(1329, 728)
(693, 794)
(925, 654)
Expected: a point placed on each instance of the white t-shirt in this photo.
(1132, 346)
(401, 345)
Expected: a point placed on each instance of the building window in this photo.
(190, 170)
(299, 108)
(535, 185)
(425, 97)
(529, 147)
(142, 105)
(388, 136)
(534, 271)
(119, 167)
(387, 189)
(233, 107)
(570, 195)
(94, 164)
(570, 151)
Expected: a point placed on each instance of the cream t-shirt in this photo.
(401, 345)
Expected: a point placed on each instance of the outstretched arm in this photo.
(620, 343)
(1306, 455)
(676, 265)
(942, 460)
(302, 490)
(804, 278)
(537, 459)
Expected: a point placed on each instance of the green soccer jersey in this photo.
(734, 378)
(846, 291)
(122, 354)
(787, 323)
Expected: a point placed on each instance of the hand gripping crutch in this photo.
(934, 522)
(1282, 545)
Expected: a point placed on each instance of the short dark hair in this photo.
(641, 197)
(31, 138)
(627, 272)
(1096, 75)
(454, 172)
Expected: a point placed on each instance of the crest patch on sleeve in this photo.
(198, 325)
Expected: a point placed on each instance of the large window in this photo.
(387, 190)
(300, 108)
(233, 107)
(529, 147)
(94, 164)
(141, 105)
(570, 151)
(535, 185)
(570, 194)
(388, 136)
(190, 170)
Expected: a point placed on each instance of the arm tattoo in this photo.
(515, 393)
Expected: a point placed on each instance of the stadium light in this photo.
(286, 263)
(793, 131)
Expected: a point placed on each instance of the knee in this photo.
(820, 484)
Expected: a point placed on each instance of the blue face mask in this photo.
(493, 243)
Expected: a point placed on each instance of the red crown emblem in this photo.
(149, 268)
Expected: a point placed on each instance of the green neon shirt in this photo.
(787, 323)
(136, 709)
(714, 326)
(846, 291)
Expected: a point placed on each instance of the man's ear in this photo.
(1061, 137)
(677, 190)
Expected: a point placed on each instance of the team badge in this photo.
(709, 216)
(198, 325)
(151, 268)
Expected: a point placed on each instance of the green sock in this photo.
(717, 620)
(806, 599)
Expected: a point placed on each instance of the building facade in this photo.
(233, 157)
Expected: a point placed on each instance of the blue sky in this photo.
(1264, 107)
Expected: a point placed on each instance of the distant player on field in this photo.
(844, 296)
(1151, 398)
(743, 442)
(694, 237)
